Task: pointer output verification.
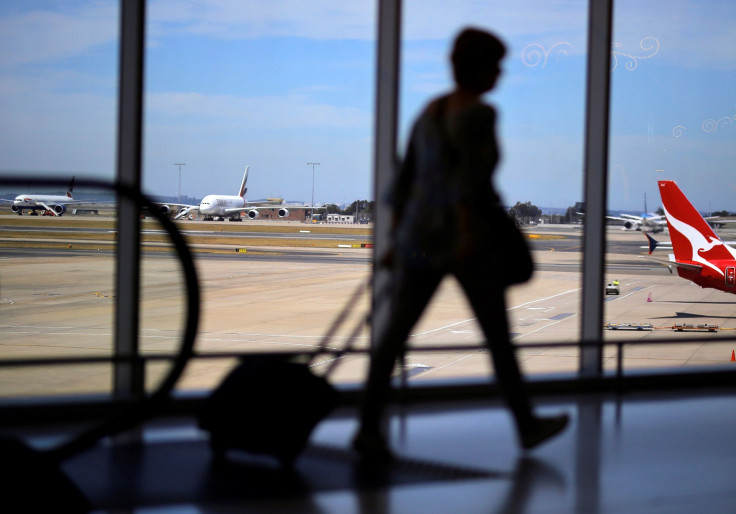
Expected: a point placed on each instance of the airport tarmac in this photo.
(60, 303)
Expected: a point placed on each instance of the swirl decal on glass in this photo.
(649, 44)
(534, 54)
(711, 125)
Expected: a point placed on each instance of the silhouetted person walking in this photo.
(448, 219)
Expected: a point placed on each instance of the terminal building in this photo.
(642, 438)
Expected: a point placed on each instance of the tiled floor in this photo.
(670, 453)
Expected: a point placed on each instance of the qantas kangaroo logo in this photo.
(698, 241)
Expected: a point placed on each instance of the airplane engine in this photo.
(165, 209)
(628, 225)
(15, 209)
(252, 214)
(59, 209)
(283, 212)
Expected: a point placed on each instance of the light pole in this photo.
(311, 214)
(180, 164)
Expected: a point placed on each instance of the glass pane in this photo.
(672, 119)
(286, 90)
(58, 93)
(163, 300)
(539, 101)
(57, 289)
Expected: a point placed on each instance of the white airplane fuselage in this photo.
(40, 202)
(220, 205)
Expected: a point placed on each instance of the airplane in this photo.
(647, 222)
(218, 207)
(699, 254)
(54, 205)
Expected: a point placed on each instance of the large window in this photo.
(58, 105)
(286, 89)
(673, 118)
(540, 103)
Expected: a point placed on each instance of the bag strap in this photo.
(450, 155)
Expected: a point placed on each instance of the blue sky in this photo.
(278, 84)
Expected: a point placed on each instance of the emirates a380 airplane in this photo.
(214, 207)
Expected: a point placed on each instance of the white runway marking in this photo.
(542, 328)
(508, 309)
(432, 370)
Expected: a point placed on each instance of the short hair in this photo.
(475, 54)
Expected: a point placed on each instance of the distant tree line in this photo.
(525, 213)
(571, 215)
(359, 209)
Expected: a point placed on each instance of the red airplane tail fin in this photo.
(692, 238)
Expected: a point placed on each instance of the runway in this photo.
(59, 302)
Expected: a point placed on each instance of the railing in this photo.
(615, 381)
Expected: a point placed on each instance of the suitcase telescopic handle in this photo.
(323, 347)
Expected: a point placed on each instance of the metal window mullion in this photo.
(128, 379)
(385, 143)
(596, 180)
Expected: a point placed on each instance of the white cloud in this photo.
(266, 113)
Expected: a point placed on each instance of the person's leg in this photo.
(487, 298)
(489, 304)
(412, 291)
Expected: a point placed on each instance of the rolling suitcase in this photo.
(269, 404)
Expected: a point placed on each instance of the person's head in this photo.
(476, 57)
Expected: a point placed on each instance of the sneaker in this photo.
(371, 446)
(543, 430)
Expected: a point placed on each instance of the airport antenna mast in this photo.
(311, 214)
(180, 164)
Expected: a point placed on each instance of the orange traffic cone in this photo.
(649, 298)
(733, 355)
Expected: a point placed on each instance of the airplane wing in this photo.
(623, 217)
(720, 220)
(685, 265)
(236, 210)
(717, 221)
(253, 207)
(184, 209)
